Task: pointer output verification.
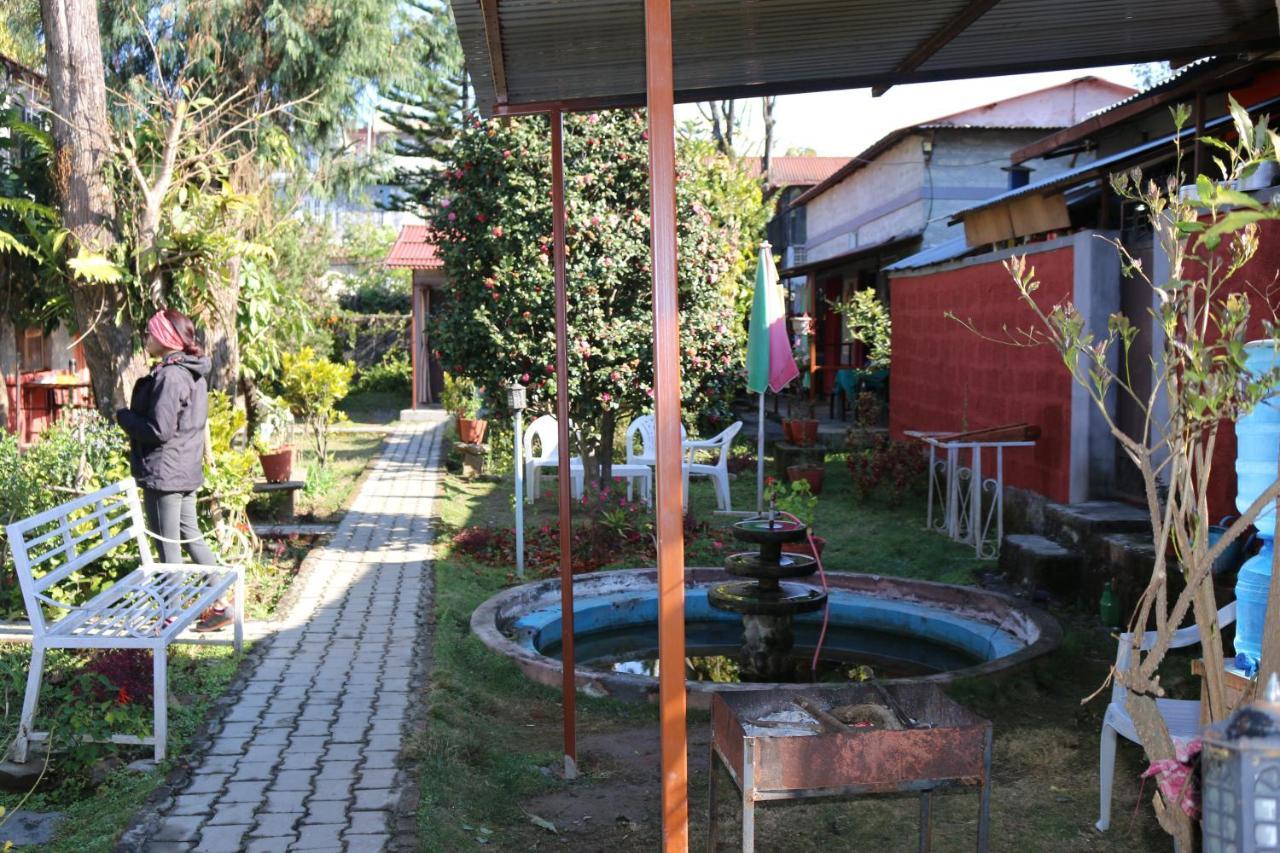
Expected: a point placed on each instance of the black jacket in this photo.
(165, 422)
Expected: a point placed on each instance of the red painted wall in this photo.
(1258, 279)
(945, 377)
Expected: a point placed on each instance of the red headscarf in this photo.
(162, 330)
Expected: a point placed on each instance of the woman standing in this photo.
(165, 422)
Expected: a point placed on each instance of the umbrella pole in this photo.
(760, 458)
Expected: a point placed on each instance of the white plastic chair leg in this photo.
(1106, 776)
(721, 479)
(160, 700)
(29, 703)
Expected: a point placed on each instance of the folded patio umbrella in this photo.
(770, 364)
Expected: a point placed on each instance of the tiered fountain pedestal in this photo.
(766, 601)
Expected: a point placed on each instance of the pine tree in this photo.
(427, 104)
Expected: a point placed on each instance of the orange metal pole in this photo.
(568, 685)
(666, 372)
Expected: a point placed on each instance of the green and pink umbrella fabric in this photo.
(770, 363)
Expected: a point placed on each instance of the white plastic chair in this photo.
(1182, 716)
(544, 431)
(645, 429)
(717, 472)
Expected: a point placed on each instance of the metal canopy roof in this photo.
(526, 54)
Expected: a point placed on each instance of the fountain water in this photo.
(766, 602)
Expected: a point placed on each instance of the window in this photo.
(34, 350)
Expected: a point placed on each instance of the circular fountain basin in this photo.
(907, 630)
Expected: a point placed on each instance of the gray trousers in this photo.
(172, 515)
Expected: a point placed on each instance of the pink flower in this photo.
(506, 155)
(594, 118)
(457, 174)
(444, 202)
(497, 230)
(615, 376)
(551, 368)
(452, 216)
(524, 377)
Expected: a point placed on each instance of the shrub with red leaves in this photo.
(892, 469)
(125, 675)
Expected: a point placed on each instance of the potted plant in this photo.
(462, 398)
(272, 439)
(797, 499)
(809, 472)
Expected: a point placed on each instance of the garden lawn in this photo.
(368, 408)
(491, 751)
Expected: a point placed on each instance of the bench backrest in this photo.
(51, 546)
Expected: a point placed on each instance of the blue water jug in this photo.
(1257, 444)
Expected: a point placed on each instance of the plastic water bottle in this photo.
(1257, 445)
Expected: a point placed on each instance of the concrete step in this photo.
(1074, 525)
(1038, 563)
(1127, 559)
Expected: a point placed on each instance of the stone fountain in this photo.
(767, 603)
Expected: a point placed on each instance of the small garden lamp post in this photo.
(516, 400)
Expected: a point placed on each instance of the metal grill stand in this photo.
(943, 746)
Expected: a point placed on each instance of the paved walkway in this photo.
(306, 758)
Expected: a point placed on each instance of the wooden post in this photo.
(415, 336)
(669, 503)
(568, 684)
(813, 341)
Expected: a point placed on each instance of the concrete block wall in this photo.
(945, 377)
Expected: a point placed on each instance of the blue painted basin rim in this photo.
(540, 629)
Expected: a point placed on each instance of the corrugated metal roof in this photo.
(578, 50)
(1167, 82)
(798, 171)
(1147, 152)
(852, 254)
(945, 251)
(413, 251)
(972, 119)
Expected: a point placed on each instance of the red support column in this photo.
(562, 429)
(666, 370)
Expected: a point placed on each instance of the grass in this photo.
(492, 742)
(374, 407)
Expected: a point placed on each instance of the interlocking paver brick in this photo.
(324, 836)
(372, 843)
(233, 813)
(245, 792)
(180, 828)
(222, 839)
(189, 804)
(306, 757)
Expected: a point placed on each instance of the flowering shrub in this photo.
(491, 218)
(892, 469)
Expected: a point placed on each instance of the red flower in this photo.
(123, 697)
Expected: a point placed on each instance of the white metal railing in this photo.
(963, 503)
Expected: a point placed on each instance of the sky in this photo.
(844, 123)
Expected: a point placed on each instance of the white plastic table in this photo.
(958, 491)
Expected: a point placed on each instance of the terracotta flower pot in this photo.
(804, 432)
(787, 434)
(803, 547)
(812, 473)
(277, 467)
(471, 431)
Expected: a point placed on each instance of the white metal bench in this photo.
(147, 609)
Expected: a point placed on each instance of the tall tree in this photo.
(428, 101)
(317, 58)
(723, 118)
(82, 135)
